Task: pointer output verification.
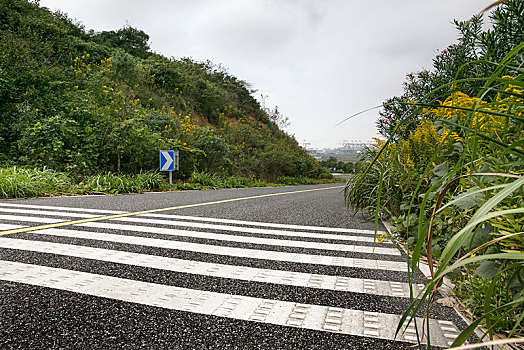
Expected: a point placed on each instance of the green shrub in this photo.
(206, 180)
(123, 183)
(18, 182)
(301, 180)
(237, 182)
(453, 188)
(215, 152)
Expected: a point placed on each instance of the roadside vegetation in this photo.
(449, 172)
(332, 163)
(90, 103)
(18, 182)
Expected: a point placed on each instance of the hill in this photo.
(88, 102)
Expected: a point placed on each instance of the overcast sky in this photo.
(319, 61)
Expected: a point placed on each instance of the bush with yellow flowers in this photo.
(463, 154)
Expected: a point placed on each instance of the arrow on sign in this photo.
(168, 161)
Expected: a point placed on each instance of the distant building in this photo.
(348, 151)
(354, 146)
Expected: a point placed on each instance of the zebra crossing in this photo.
(243, 270)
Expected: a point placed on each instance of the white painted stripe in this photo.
(248, 229)
(392, 251)
(5, 227)
(245, 239)
(48, 207)
(229, 238)
(339, 283)
(30, 219)
(48, 213)
(231, 251)
(283, 313)
(198, 218)
(265, 224)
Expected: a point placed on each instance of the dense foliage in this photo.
(88, 102)
(18, 182)
(333, 164)
(450, 174)
(456, 63)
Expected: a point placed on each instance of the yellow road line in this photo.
(100, 218)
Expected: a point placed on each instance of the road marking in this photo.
(9, 227)
(247, 239)
(47, 213)
(67, 223)
(265, 224)
(250, 229)
(183, 224)
(220, 236)
(299, 279)
(49, 207)
(198, 218)
(230, 251)
(283, 313)
(29, 219)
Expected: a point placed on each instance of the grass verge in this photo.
(18, 182)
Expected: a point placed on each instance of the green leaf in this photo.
(480, 216)
(404, 206)
(440, 170)
(436, 250)
(458, 147)
(482, 236)
(462, 337)
(475, 259)
(488, 269)
(468, 201)
(517, 282)
(472, 192)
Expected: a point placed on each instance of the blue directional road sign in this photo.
(168, 160)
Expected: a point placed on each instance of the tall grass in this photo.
(18, 182)
(124, 183)
(22, 183)
(200, 180)
(290, 181)
(454, 189)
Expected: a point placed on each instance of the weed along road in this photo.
(280, 268)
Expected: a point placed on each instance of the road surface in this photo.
(281, 268)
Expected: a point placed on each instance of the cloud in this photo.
(257, 30)
(319, 61)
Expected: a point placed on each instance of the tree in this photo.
(278, 118)
(131, 40)
(452, 63)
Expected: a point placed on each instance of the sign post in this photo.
(169, 162)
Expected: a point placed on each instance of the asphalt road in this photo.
(288, 271)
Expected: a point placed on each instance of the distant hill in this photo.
(86, 102)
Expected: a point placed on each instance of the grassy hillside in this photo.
(87, 102)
